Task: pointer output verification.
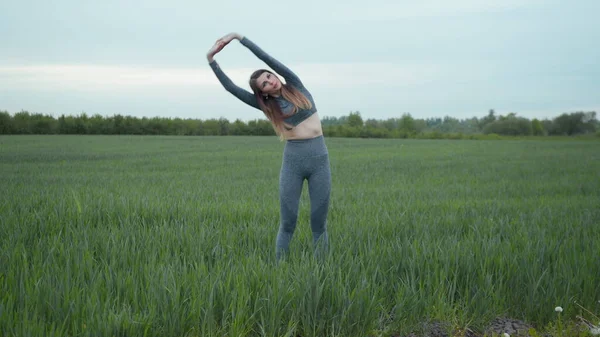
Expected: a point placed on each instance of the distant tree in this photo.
(265, 128)
(432, 123)
(471, 125)
(156, 126)
(212, 127)
(420, 125)
(177, 127)
(238, 128)
(490, 118)
(81, 124)
(372, 123)
(407, 123)
(446, 125)
(328, 121)
(132, 126)
(390, 124)
(118, 125)
(509, 125)
(224, 126)
(21, 122)
(352, 125)
(350, 131)
(5, 123)
(100, 125)
(42, 124)
(355, 120)
(508, 116)
(548, 126)
(574, 123)
(537, 127)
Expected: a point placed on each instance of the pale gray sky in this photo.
(381, 57)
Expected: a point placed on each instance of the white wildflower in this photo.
(505, 335)
(595, 331)
(558, 309)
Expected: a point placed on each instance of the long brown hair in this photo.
(270, 107)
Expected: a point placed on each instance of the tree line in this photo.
(352, 125)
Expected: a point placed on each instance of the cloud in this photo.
(99, 77)
(117, 78)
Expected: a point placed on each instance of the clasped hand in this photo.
(221, 43)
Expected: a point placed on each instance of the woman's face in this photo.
(268, 83)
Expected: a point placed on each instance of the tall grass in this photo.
(174, 236)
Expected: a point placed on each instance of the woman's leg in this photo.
(319, 188)
(290, 189)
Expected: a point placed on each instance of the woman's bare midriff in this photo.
(310, 128)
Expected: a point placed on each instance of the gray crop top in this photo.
(249, 98)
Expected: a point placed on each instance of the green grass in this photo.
(174, 236)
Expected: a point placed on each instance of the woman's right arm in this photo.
(243, 95)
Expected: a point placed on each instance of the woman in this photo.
(292, 112)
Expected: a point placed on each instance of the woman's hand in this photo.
(217, 47)
(220, 44)
(229, 37)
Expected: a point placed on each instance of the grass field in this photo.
(174, 236)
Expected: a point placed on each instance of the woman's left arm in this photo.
(289, 76)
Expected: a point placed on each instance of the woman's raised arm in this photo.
(289, 76)
(243, 95)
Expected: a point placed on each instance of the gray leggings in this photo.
(304, 159)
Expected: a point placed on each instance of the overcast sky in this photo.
(430, 58)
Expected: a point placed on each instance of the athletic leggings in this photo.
(304, 159)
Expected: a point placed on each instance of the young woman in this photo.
(291, 109)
